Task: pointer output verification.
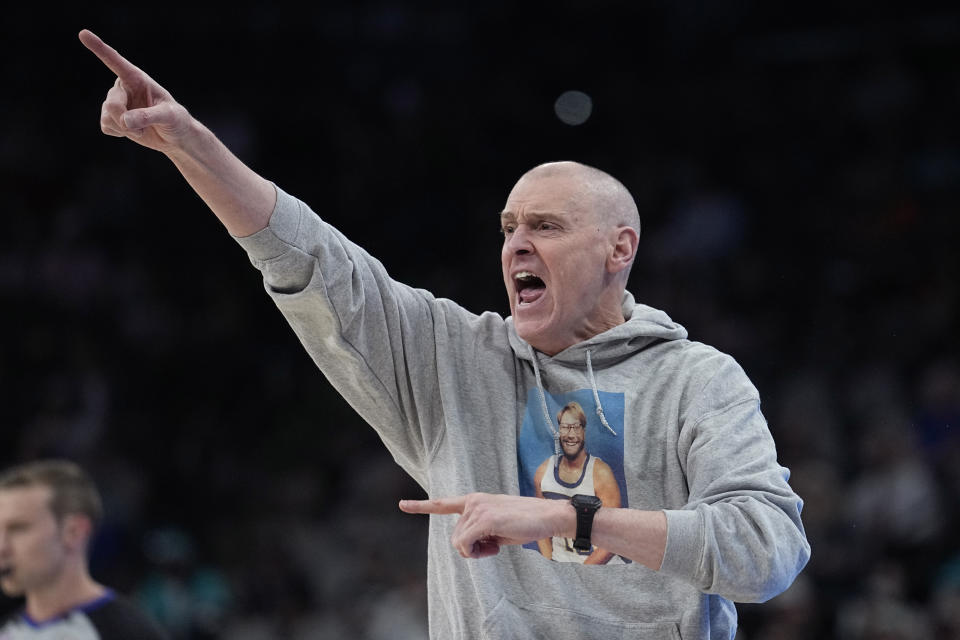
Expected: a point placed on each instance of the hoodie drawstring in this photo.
(543, 402)
(596, 395)
(543, 399)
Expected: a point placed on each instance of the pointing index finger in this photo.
(436, 505)
(109, 56)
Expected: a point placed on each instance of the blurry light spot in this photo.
(573, 107)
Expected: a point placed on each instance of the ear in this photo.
(623, 249)
(76, 531)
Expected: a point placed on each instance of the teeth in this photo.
(525, 275)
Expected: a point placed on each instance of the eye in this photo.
(546, 226)
(507, 229)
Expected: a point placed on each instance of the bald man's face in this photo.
(554, 262)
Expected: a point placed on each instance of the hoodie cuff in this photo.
(681, 558)
(280, 233)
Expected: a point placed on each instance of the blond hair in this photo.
(576, 410)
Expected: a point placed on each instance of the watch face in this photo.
(581, 501)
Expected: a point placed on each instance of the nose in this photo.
(519, 241)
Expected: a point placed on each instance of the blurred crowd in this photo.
(798, 183)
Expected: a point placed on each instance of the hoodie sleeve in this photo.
(364, 330)
(740, 535)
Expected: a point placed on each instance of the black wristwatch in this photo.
(586, 507)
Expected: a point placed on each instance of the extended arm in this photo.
(138, 108)
(489, 521)
(361, 328)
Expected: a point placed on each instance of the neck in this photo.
(70, 590)
(609, 314)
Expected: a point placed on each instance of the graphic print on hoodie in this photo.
(541, 446)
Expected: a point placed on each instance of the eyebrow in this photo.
(510, 216)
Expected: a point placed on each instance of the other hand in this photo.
(488, 521)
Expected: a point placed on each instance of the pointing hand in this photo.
(137, 107)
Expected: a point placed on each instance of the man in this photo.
(575, 472)
(463, 402)
(49, 511)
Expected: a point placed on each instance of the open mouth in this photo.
(529, 287)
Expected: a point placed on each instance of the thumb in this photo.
(157, 115)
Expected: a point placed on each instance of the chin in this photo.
(572, 454)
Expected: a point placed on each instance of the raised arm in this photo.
(138, 108)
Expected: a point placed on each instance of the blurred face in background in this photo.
(33, 548)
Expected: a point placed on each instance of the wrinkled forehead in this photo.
(550, 194)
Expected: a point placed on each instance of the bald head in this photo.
(596, 190)
(570, 238)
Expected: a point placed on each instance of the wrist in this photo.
(189, 144)
(564, 520)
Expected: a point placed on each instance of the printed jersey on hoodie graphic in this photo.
(109, 617)
(553, 488)
(423, 372)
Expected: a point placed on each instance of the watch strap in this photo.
(586, 508)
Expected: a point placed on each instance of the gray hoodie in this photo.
(464, 404)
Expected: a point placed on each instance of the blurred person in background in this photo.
(49, 512)
(190, 599)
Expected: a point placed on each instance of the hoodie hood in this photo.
(644, 326)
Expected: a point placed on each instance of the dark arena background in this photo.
(798, 176)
